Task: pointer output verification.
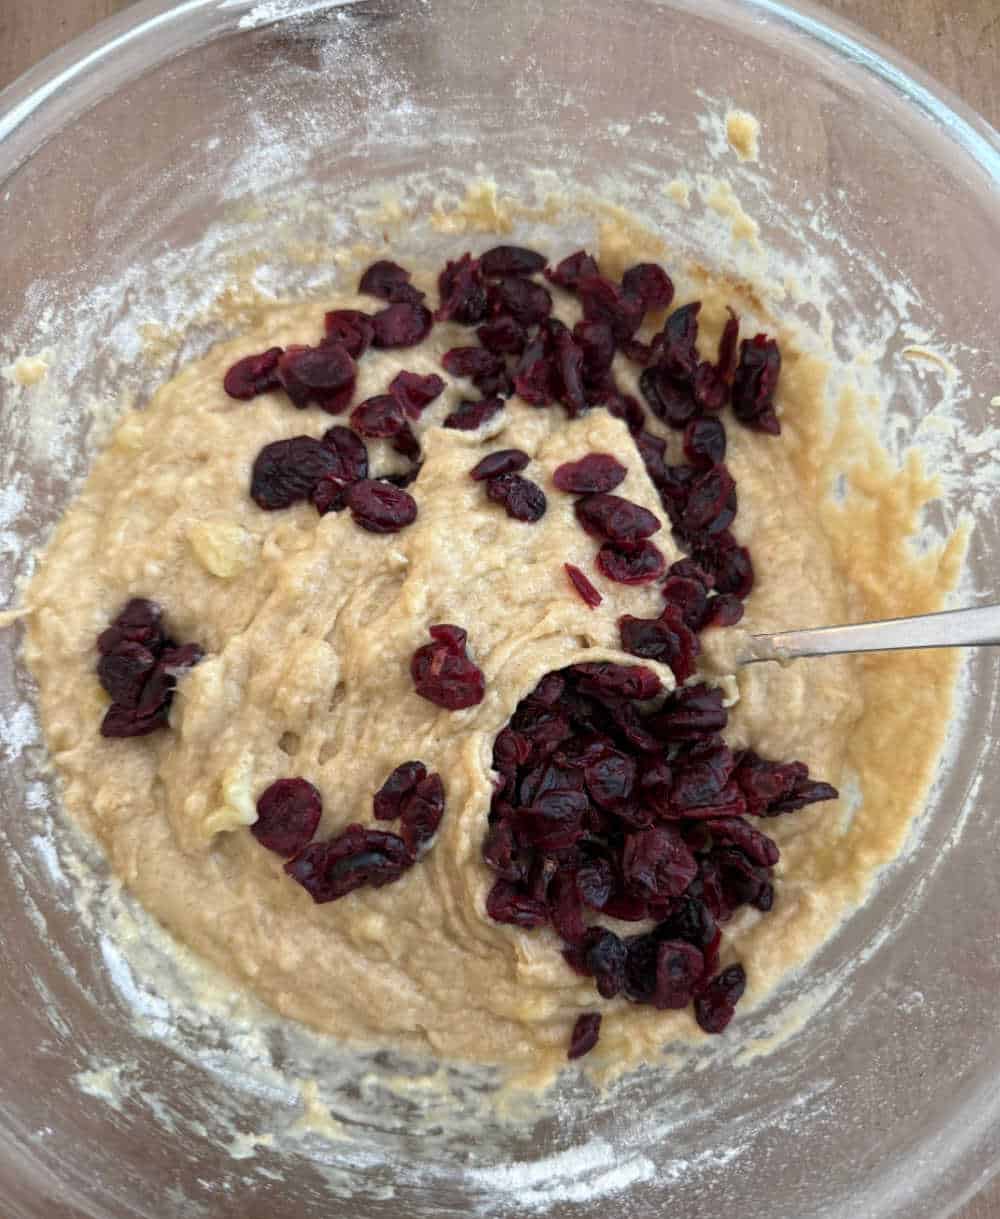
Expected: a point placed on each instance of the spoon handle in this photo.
(979, 625)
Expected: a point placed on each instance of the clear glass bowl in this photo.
(130, 163)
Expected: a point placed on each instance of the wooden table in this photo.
(957, 41)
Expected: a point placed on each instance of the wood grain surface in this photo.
(956, 41)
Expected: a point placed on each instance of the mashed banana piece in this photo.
(309, 624)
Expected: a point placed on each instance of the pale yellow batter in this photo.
(309, 624)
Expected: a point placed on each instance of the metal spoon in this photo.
(949, 629)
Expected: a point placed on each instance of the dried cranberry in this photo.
(705, 442)
(691, 713)
(423, 809)
(572, 269)
(679, 968)
(679, 343)
(500, 851)
(536, 378)
(288, 814)
(525, 301)
(254, 375)
(716, 1005)
(350, 452)
(503, 461)
(597, 342)
(690, 597)
(729, 563)
(287, 471)
(324, 375)
(569, 366)
(506, 903)
(734, 831)
(379, 417)
(380, 507)
(672, 402)
(126, 722)
(723, 610)
(388, 800)
(604, 301)
(585, 1033)
(583, 586)
(462, 293)
(390, 282)
(511, 260)
(503, 336)
(708, 503)
(657, 863)
(522, 499)
(754, 384)
(615, 519)
(610, 779)
(566, 908)
(554, 820)
(401, 325)
(596, 473)
(351, 328)
(354, 858)
(650, 284)
(443, 673)
(468, 416)
(631, 562)
(139, 621)
(414, 392)
(603, 679)
(124, 671)
(666, 639)
(471, 362)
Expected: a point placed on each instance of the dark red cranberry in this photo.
(423, 809)
(287, 471)
(536, 379)
(690, 597)
(679, 968)
(723, 610)
(597, 473)
(705, 442)
(351, 328)
(254, 375)
(631, 562)
(354, 858)
(652, 450)
(572, 269)
(380, 507)
(503, 336)
(650, 284)
(508, 903)
(501, 852)
(615, 519)
(585, 1033)
(414, 392)
(378, 417)
(596, 340)
(511, 260)
(603, 679)
(323, 375)
(604, 301)
(669, 400)
(708, 502)
(734, 831)
(462, 292)
(330, 495)
(288, 814)
(470, 362)
(602, 956)
(729, 563)
(401, 325)
(657, 863)
(716, 1005)
(522, 499)
(691, 713)
(349, 450)
(123, 672)
(666, 639)
(503, 461)
(679, 343)
(569, 366)
(390, 282)
(124, 722)
(755, 382)
(525, 301)
(139, 621)
(610, 779)
(583, 586)
(443, 673)
(388, 801)
(468, 415)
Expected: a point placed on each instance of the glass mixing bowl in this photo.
(132, 165)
